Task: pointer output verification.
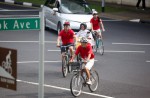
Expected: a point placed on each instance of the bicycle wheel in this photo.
(76, 85)
(95, 81)
(101, 47)
(94, 47)
(64, 66)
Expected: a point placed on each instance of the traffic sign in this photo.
(8, 68)
(19, 24)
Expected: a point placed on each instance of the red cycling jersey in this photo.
(95, 23)
(85, 51)
(67, 37)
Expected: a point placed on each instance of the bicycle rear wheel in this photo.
(76, 85)
(95, 81)
(64, 67)
(101, 47)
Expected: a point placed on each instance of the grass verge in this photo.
(93, 6)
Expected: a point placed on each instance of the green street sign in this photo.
(19, 24)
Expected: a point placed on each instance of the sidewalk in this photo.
(130, 12)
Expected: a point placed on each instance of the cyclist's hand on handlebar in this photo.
(57, 45)
(71, 60)
(103, 30)
(85, 61)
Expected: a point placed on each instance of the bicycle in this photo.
(98, 47)
(7, 66)
(65, 60)
(78, 80)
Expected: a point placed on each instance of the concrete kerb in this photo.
(107, 15)
(21, 3)
(125, 16)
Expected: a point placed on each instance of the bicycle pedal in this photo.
(84, 84)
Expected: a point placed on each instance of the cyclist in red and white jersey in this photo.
(87, 55)
(97, 24)
(67, 37)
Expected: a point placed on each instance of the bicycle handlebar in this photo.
(66, 45)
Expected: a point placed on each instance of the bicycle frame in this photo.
(65, 60)
(76, 83)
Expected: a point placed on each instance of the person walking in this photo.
(143, 4)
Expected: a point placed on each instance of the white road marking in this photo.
(26, 41)
(23, 62)
(9, 1)
(148, 61)
(114, 20)
(19, 41)
(37, 62)
(66, 89)
(135, 20)
(111, 51)
(130, 44)
(53, 50)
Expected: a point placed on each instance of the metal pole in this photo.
(41, 56)
(103, 5)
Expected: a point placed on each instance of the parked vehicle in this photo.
(74, 11)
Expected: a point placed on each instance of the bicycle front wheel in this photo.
(64, 66)
(76, 85)
(101, 47)
(95, 81)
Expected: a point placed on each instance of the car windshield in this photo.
(74, 7)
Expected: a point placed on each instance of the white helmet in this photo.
(83, 40)
(95, 12)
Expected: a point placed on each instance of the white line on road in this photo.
(53, 50)
(109, 51)
(23, 62)
(26, 41)
(114, 20)
(37, 62)
(130, 44)
(148, 61)
(124, 51)
(66, 89)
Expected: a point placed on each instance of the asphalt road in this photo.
(123, 69)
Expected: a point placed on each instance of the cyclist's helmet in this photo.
(67, 23)
(95, 12)
(85, 26)
(83, 40)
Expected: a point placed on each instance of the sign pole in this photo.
(103, 5)
(41, 56)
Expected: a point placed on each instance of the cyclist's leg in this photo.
(62, 52)
(88, 67)
(71, 50)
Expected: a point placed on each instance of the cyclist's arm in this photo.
(88, 58)
(75, 38)
(91, 27)
(101, 23)
(58, 40)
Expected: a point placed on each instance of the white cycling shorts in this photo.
(98, 30)
(89, 64)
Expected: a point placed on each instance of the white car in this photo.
(74, 11)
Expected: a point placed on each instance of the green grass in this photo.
(39, 2)
(93, 6)
(109, 9)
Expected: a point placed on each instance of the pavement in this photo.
(129, 14)
(137, 15)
